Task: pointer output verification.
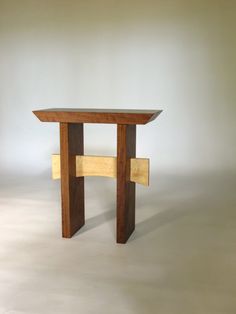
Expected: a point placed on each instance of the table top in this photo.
(92, 115)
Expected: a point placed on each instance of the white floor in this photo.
(180, 260)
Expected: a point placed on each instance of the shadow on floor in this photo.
(169, 200)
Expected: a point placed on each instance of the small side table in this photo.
(72, 165)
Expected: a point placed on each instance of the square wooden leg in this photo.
(72, 188)
(126, 149)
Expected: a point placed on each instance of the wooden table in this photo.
(72, 166)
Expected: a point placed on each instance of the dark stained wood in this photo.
(72, 188)
(83, 115)
(126, 149)
(72, 143)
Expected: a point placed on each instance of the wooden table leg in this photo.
(126, 149)
(72, 188)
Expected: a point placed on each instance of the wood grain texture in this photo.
(88, 166)
(56, 166)
(126, 149)
(83, 115)
(96, 166)
(139, 170)
(105, 166)
(72, 188)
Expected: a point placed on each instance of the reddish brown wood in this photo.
(117, 116)
(72, 144)
(126, 149)
(72, 188)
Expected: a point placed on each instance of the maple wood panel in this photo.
(105, 166)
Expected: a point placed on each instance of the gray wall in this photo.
(178, 56)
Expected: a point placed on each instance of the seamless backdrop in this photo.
(174, 55)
